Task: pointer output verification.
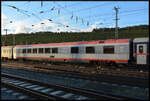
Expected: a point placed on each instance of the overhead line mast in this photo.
(5, 42)
(116, 29)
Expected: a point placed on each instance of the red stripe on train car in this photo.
(78, 43)
(76, 59)
(141, 53)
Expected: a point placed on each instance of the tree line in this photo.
(97, 34)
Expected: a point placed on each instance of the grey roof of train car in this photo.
(144, 39)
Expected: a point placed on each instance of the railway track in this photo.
(8, 92)
(87, 69)
(101, 76)
(140, 82)
(54, 92)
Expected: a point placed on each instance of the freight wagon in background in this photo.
(124, 51)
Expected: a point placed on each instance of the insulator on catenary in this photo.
(76, 19)
(59, 12)
(49, 19)
(87, 23)
(41, 3)
(52, 8)
(72, 16)
(41, 11)
(82, 21)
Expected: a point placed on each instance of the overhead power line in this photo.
(18, 9)
(107, 14)
(92, 7)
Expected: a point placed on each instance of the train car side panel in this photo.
(141, 50)
(7, 52)
(114, 50)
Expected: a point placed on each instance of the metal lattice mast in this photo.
(5, 37)
(116, 28)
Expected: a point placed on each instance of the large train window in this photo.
(34, 50)
(108, 49)
(47, 50)
(74, 49)
(28, 50)
(19, 50)
(24, 51)
(54, 50)
(41, 50)
(140, 49)
(90, 50)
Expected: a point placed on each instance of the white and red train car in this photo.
(87, 51)
(101, 51)
(7, 52)
(141, 50)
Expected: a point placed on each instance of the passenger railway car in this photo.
(7, 52)
(124, 51)
(92, 51)
(141, 50)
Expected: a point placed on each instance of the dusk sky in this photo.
(74, 16)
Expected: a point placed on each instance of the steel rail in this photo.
(29, 92)
(95, 95)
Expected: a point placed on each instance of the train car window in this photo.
(18, 50)
(28, 50)
(24, 51)
(4, 51)
(47, 50)
(54, 50)
(34, 50)
(74, 49)
(21, 50)
(109, 49)
(41, 50)
(90, 50)
(140, 49)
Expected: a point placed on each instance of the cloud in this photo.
(90, 28)
(46, 26)
(4, 20)
(53, 26)
(25, 26)
(20, 26)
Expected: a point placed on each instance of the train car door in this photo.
(141, 53)
(14, 53)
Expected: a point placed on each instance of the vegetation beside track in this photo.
(97, 34)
